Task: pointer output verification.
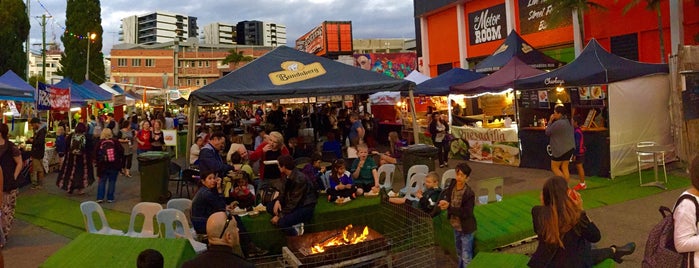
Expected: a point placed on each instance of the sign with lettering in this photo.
(490, 145)
(487, 25)
(535, 16)
(42, 97)
(60, 99)
(294, 71)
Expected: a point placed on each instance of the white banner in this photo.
(485, 134)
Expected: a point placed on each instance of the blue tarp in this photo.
(439, 86)
(296, 74)
(13, 87)
(594, 66)
(78, 93)
(498, 81)
(514, 45)
(102, 94)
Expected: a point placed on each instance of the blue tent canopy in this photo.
(78, 93)
(102, 94)
(118, 89)
(439, 86)
(514, 45)
(14, 88)
(594, 66)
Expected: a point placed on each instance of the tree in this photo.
(82, 20)
(564, 8)
(236, 57)
(34, 79)
(654, 6)
(14, 30)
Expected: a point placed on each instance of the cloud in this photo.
(370, 18)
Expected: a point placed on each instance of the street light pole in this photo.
(90, 37)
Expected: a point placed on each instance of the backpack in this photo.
(107, 152)
(77, 144)
(660, 247)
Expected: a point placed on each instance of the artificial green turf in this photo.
(62, 215)
(510, 220)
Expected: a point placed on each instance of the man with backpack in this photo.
(108, 157)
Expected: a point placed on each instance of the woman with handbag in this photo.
(439, 130)
(11, 167)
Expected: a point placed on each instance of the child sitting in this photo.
(313, 171)
(242, 192)
(428, 198)
(364, 171)
(341, 184)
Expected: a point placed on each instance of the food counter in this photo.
(534, 155)
(488, 145)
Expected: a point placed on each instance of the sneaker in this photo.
(99, 201)
(36, 187)
(110, 201)
(254, 251)
(580, 186)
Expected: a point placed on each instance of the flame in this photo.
(345, 238)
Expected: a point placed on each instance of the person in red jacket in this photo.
(143, 138)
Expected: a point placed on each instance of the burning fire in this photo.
(345, 238)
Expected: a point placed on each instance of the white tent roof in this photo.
(416, 77)
(129, 100)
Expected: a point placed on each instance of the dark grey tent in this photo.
(497, 81)
(594, 66)
(285, 72)
(514, 45)
(439, 86)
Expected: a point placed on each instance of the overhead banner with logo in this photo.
(535, 16)
(60, 99)
(42, 97)
(294, 71)
(487, 25)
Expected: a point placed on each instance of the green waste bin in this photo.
(418, 154)
(154, 169)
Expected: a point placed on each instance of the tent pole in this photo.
(190, 128)
(416, 128)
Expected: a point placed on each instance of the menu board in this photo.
(690, 96)
(529, 99)
(589, 95)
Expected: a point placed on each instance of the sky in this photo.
(370, 18)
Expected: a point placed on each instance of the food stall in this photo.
(621, 101)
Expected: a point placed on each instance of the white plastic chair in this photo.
(90, 207)
(388, 170)
(184, 205)
(490, 186)
(148, 210)
(416, 182)
(648, 158)
(411, 171)
(173, 224)
(446, 176)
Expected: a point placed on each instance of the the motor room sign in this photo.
(487, 25)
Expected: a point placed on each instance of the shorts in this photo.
(565, 157)
(579, 159)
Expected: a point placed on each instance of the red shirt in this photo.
(144, 136)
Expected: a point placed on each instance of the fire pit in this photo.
(351, 245)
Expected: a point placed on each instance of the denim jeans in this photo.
(107, 176)
(464, 247)
(298, 215)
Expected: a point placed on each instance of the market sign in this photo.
(311, 42)
(535, 16)
(294, 71)
(487, 25)
(488, 145)
(43, 102)
(60, 99)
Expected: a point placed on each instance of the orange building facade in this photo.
(461, 33)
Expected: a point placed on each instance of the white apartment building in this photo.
(53, 58)
(157, 27)
(218, 33)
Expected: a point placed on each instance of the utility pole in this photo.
(43, 44)
(26, 44)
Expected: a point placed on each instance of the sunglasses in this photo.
(229, 216)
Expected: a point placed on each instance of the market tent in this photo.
(514, 45)
(78, 94)
(285, 73)
(129, 100)
(416, 77)
(181, 102)
(100, 93)
(500, 80)
(594, 66)
(439, 86)
(13, 87)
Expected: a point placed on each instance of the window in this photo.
(625, 46)
(150, 63)
(121, 62)
(189, 82)
(444, 67)
(136, 62)
(207, 64)
(197, 82)
(205, 80)
(201, 63)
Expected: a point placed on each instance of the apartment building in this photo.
(157, 27)
(218, 33)
(261, 33)
(53, 58)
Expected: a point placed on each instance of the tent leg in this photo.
(416, 128)
(191, 126)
